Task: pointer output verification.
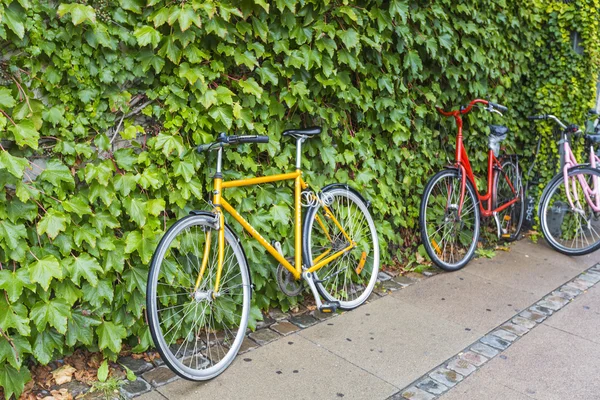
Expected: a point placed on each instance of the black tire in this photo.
(218, 324)
(444, 215)
(506, 182)
(558, 221)
(349, 279)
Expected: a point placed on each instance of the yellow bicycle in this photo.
(199, 284)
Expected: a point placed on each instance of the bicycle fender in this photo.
(349, 188)
(211, 214)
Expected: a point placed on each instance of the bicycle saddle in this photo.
(312, 131)
(498, 130)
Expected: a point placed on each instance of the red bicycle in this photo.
(451, 206)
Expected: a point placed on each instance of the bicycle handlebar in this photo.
(537, 117)
(492, 107)
(224, 140)
(498, 106)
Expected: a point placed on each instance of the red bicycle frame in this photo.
(463, 164)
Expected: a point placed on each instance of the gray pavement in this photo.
(378, 350)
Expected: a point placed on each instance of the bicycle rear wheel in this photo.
(197, 332)
(350, 278)
(450, 240)
(571, 230)
(508, 185)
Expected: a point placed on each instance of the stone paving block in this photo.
(484, 349)
(299, 309)
(135, 388)
(476, 359)
(303, 321)
(382, 276)
(580, 284)
(533, 315)
(323, 316)
(413, 393)
(247, 345)
(505, 335)
(431, 386)
(567, 295)
(403, 280)
(590, 277)
(266, 322)
(264, 336)
(138, 366)
(542, 310)
(556, 301)
(516, 329)
(159, 376)
(495, 342)
(461, 366)
(524, 322)
(277, 314)
(75, 388)
(284, 328)
(571, 290)
(446, 376)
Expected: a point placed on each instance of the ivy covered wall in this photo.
(99, 100)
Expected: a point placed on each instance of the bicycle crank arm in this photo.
(311, 284)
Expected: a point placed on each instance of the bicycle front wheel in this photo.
(197, 332)
(350, 278)
(449, 239)
(572, 226)
(508, 185)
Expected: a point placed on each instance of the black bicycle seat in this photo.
(498, 130)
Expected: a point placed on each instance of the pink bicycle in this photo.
(569, 208)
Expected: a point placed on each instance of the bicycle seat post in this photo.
(299, 141)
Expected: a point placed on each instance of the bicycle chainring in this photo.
(288, 285)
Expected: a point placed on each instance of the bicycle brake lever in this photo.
(495, 111)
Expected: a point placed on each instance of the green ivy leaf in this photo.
(187, 17)
(44, 270)
(79, 13)
(79, 328)
(349, 38)
(46, 342)
(14, 18)
(83, 266)
(14, 316)
(14, 282)
(56, 172)
(222, 114)
(16, 355)
(13, 234)
(52, 223)
(25, 134)
(54, 313)
(147, 35)
(6, 99)
(169, 143)
(143, 243)
(110, 336)
(12, 380)
(413, 61)
(136, 209)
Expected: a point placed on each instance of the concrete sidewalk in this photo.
(391, 344)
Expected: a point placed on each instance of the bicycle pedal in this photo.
(506, 235)
(329, 307)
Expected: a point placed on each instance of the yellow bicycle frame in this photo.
(220, 203)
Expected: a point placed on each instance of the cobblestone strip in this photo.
(445, 376)
(275, 325)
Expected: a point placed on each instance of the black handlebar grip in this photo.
(498, 106)
(251, 139)
(535, 117)
(593, 112)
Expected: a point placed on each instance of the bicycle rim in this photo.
(197, 332)
(449, 239)
(350, 278)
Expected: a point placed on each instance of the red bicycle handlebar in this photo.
(462, 111)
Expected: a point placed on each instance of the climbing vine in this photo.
(100, 102)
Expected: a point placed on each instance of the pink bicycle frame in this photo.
(588, 192)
